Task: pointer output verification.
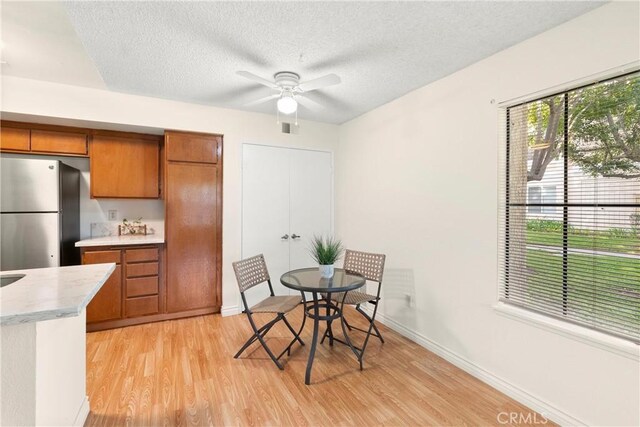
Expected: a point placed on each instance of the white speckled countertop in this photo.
(121, 240)
(51, 293)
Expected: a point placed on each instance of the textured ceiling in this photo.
(190, 51)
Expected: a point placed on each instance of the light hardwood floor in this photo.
(182, 372)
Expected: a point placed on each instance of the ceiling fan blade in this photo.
(257, 79)
(262, 100)
(308, 103)
(328, 80)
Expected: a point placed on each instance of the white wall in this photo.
(39, 98)
(424, 172)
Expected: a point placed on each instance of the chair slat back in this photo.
(251, 272)
(370, 265)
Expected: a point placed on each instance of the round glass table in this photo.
(309, 280)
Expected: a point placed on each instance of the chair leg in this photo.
(347, 323)
(260, 335)
(263, 330)
(371, 321)
(371, 326)
(271, 355)
(296, 335)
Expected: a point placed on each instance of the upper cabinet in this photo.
(43, 139)
(125, 167)
(191, 147)
(15, 139)
(122, 164)
(66, 143)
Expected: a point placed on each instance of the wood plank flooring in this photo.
(182, 372)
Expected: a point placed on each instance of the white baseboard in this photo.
(542, 407)
(83, 413)
(230, 310)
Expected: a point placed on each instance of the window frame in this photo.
(512, 309)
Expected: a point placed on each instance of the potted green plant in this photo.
(326, 251)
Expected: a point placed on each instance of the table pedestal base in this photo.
(333, 311)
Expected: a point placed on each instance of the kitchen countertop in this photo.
(51, 293)
(121, 240)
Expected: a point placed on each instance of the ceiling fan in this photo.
(290, 91)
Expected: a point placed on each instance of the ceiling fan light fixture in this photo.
(287, 105)
(288, 85)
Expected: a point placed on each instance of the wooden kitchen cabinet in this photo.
(125, 167)
(193, 222)
(192, 147)
(107, 304)
(142, 286)
(15, 139)
(122, 164)
(45, 141)
(191, 236)
(134, 292)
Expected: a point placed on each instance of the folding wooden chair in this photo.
(371, 266)
(249, 273)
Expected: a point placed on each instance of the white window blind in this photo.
(571, 212)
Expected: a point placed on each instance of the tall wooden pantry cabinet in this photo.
(193, 222)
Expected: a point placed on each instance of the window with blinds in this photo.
(571, 211)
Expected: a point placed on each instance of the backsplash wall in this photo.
(97, 210)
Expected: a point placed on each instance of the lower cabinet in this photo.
(106, 305)
(133, 293)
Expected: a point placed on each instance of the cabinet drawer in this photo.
(142, 286)
(141, 306)
(143, 269)
(139, 255)
(191, 148)
(99, 257)
(14, 139)
(58, 142)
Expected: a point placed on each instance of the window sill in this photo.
(597, 339)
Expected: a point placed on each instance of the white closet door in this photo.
(284, 192)
(311, 184)
(265, 212)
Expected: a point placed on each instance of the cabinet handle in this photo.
(285, 237)
(295, 236)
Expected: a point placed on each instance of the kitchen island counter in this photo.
(43, 334)
(50, 293)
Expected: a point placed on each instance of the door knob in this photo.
(285, 237)
(295, 236)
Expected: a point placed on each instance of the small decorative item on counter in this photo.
(134, 227)
(325, 251)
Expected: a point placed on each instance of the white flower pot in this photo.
(326, 271)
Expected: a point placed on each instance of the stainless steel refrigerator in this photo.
(39, 214)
